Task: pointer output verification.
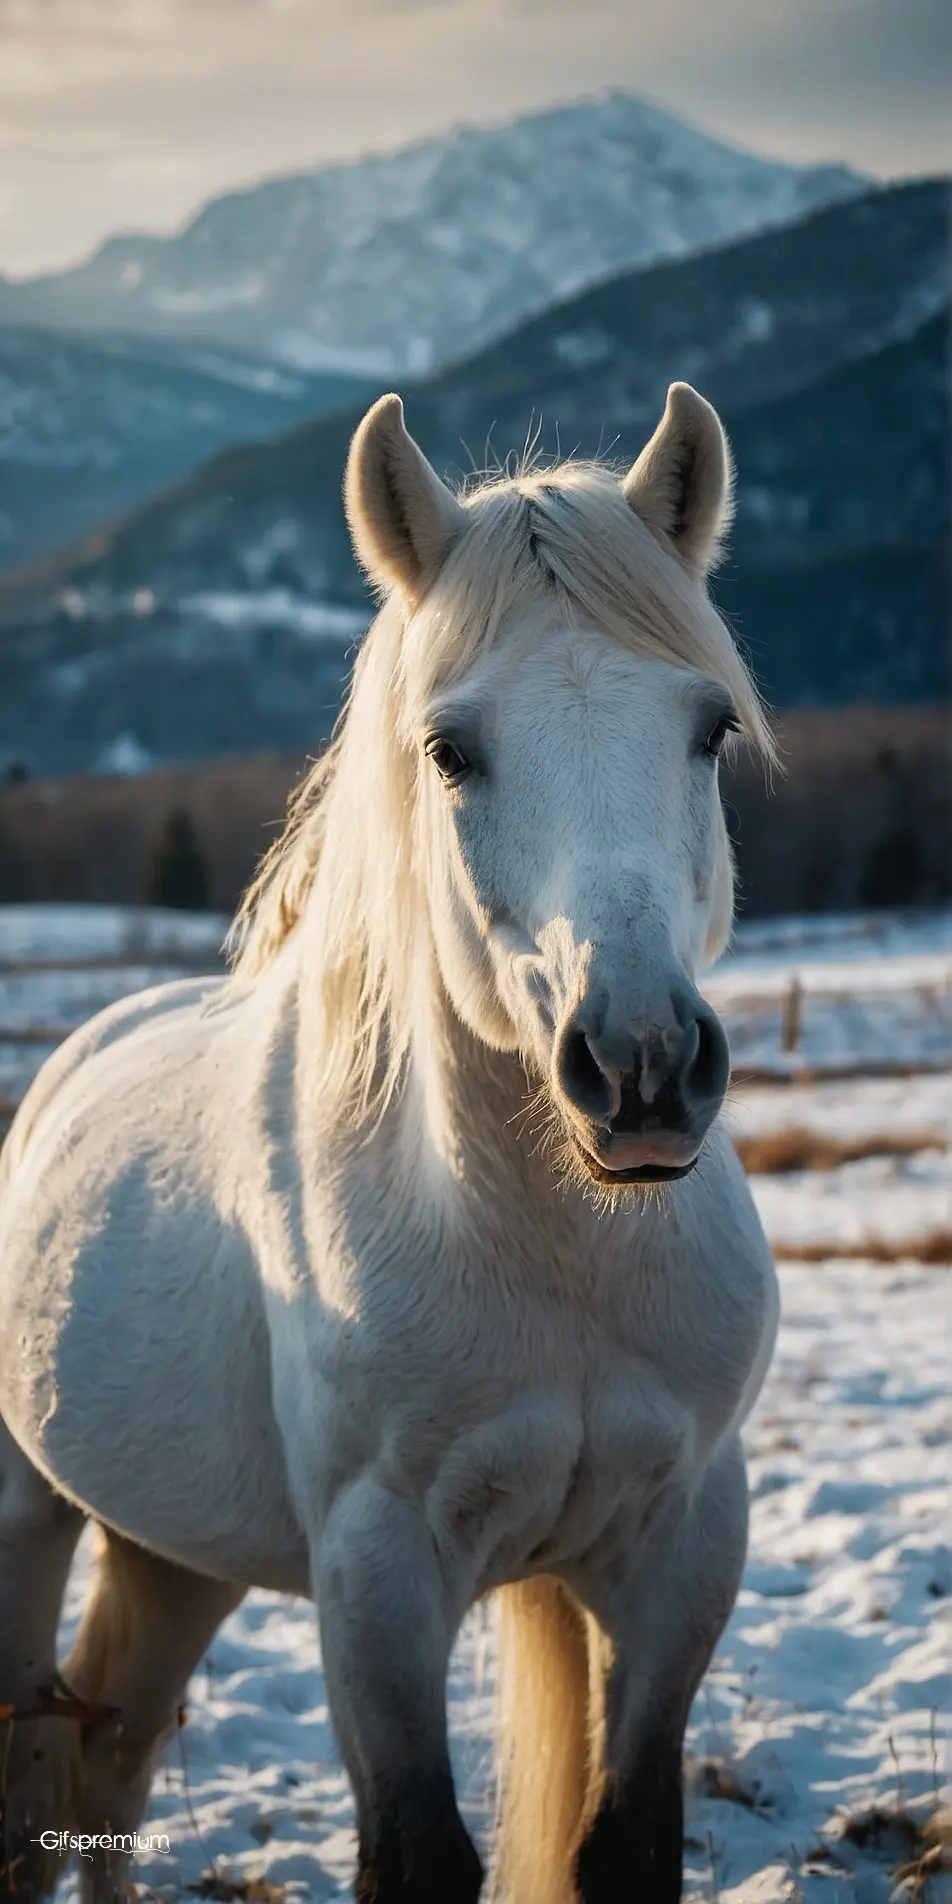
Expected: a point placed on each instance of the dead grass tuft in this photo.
(918, 1849)
(229, 1890)
(933, 1247)
(749, 1076)
(778, 1152)
(718, 1778)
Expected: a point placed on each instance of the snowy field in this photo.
(818, 1739)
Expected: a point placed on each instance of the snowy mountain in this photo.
(198, 624)
(839, 577)
(395, 265)
(91, 426)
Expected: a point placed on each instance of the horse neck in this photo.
(470, 1108)
(464, 1095)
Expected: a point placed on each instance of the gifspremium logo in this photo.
(86, 1842)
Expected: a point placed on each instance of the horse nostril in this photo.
(582, 1077)
(708, 1072)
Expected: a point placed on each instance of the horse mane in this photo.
(560, 540)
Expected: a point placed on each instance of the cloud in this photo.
(118, 113)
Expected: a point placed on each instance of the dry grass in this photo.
(915, 1849)
(932, 1857)
(750, 1076)
(918, 1849)
(34, 1034)
(230, 1890)
(718, 1778)
(778, 1152)
(933, 1247)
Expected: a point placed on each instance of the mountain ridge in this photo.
(666, 322)
(396, 263)
(91, 425)
(221, 615)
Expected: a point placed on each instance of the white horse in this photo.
(340, 1276)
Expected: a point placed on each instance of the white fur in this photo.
(290, 1293)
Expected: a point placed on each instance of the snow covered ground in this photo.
(817, 1742)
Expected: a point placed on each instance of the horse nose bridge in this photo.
(608, 943)
(636, 1003)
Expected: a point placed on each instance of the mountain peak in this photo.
(397, 264)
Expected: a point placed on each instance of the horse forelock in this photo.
(546, 541)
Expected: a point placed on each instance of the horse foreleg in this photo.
(664, 1624)
(144, 1631)
(387, 1625)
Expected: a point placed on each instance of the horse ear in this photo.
(402, 518)
(681, 483)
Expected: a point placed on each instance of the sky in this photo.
(128, 114)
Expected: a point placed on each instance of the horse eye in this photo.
(728, 724)
(450, 764)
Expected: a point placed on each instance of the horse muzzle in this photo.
(639, 1098)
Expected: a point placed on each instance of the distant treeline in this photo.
(861, 816)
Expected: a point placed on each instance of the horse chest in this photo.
(537, 1485)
